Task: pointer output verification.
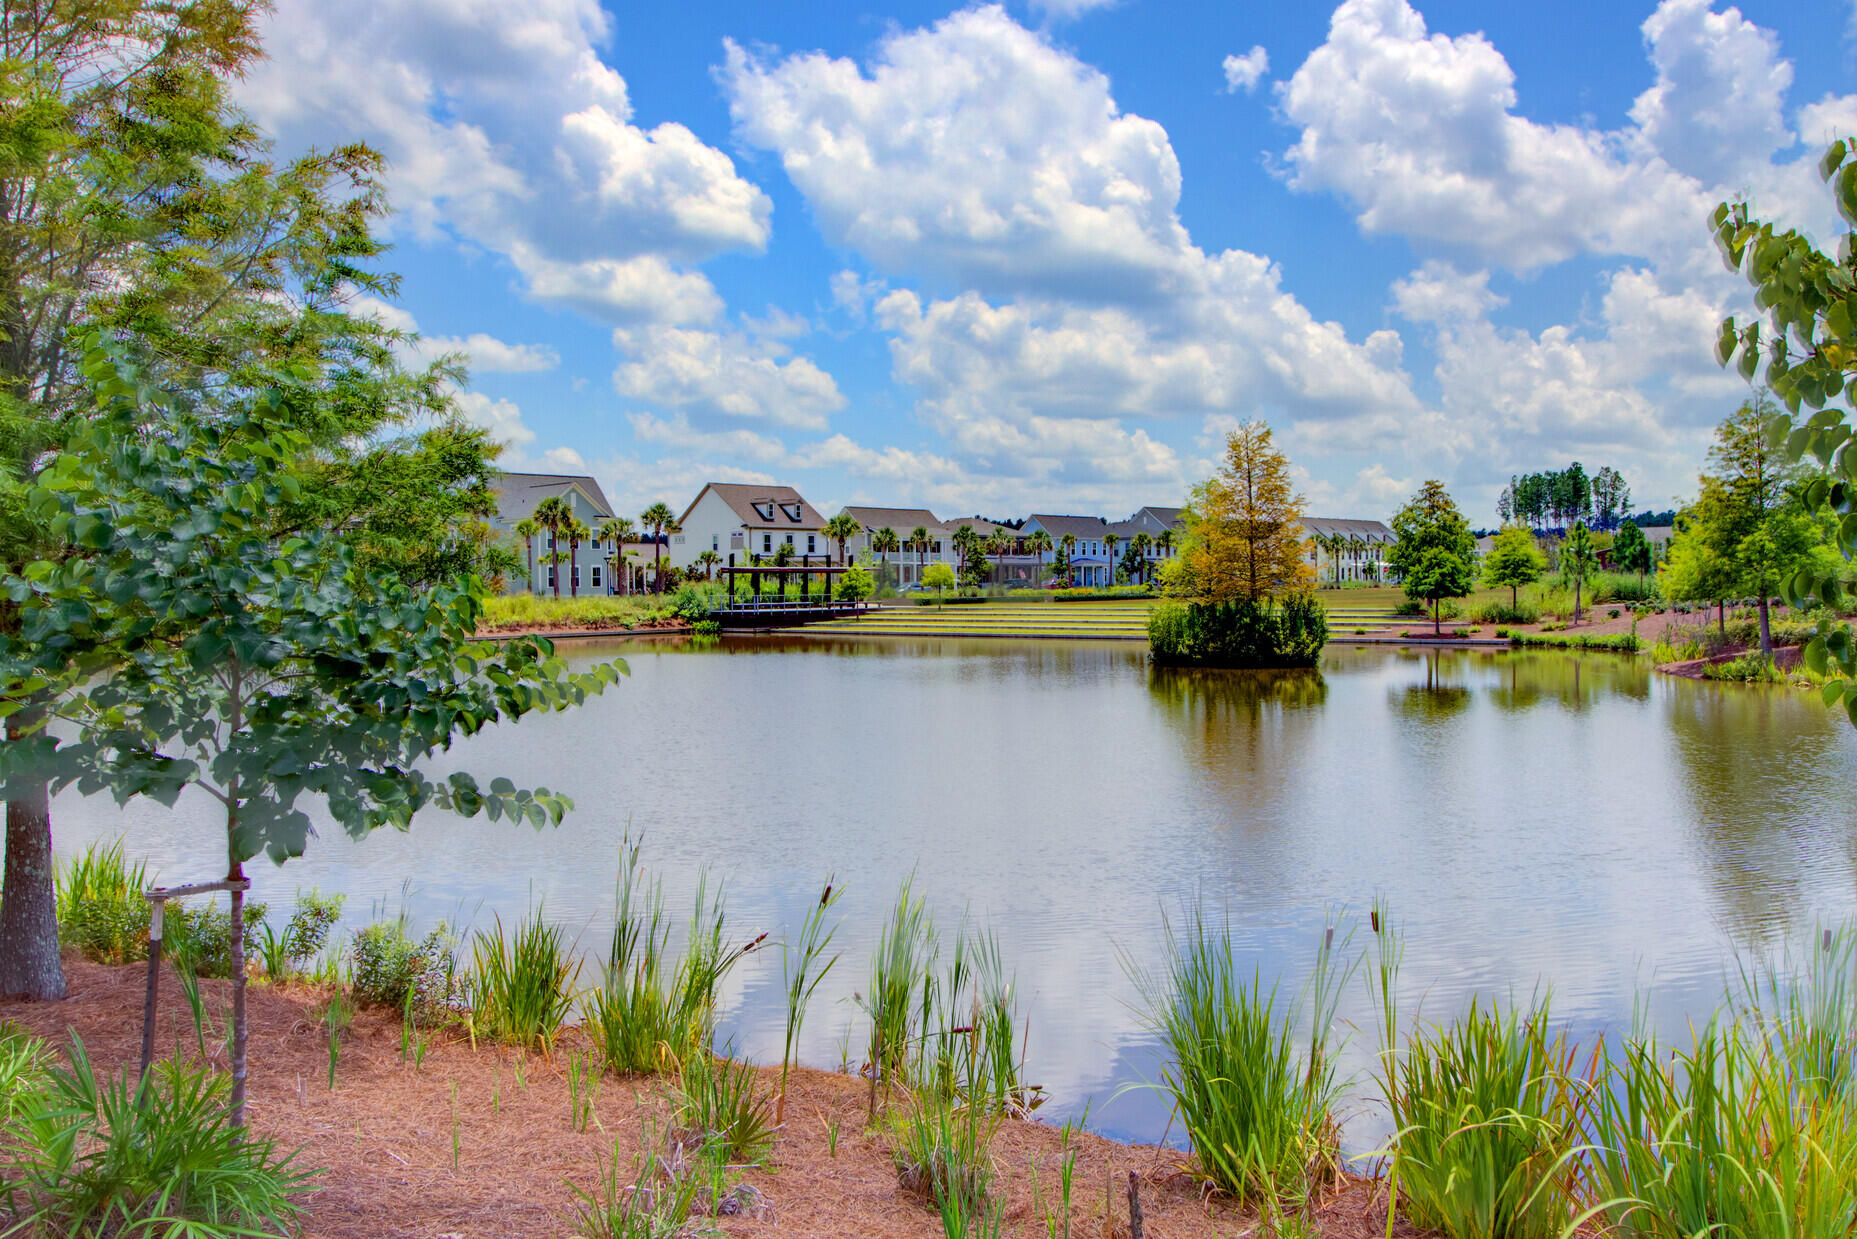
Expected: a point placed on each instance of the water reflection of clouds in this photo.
(1531, 818)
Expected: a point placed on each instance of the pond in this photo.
(1533, 820)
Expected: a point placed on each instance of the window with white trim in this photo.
(596, 576)
(812, 543)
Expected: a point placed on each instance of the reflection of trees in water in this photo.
(1754, 760)
(1441, 694)
(1245, 731)
(1526, 678)
(1249, 694)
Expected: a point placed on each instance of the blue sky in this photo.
(1014, 259)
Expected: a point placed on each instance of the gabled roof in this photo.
(981, 525)
(762, 507)
(900, 519)
(1328, 526)
(1173, 518)
(518, 493)
(1082, 526)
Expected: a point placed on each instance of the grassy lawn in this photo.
(511, 611)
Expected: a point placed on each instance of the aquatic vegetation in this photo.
(1258, 1101)
(522, 987)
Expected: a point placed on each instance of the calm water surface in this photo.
(1533, 820)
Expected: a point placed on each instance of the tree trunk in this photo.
(237, 874)
(1576, 601)
(29, 966)
(1721, 617)
(1435, 631)
(1766, 628)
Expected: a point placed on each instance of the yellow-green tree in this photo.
(1244, 537)
(1514, 561)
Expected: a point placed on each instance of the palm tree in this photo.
(841, 529)
(526, 529)
(919, 536)
(620, 530)
(1069, 543)
(1164, 541)
(1356, 544)
(1038, 544)
(554, 514)
(999, 544)
(1109, 540)
(577, 532)
(883, 542)
(1142, 542)
(657, 518)
(708, 561)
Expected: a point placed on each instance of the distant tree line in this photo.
(1559, 497)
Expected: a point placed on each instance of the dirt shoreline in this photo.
(382, 1137)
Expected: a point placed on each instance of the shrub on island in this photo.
(1269, 633)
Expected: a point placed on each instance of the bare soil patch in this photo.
(382, 1137)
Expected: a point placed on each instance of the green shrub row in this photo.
(1619, 642)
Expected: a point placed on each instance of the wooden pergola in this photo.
(825, 573)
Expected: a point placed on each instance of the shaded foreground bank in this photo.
(383, 1136)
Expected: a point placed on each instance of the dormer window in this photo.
(792, 510)
(763, 508)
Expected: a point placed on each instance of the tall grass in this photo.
(99, 904)
(942, 1149)
(717, 1101)
(1752, 1129)
(804, 965)
(591, 610)
(1257, 1099)
(1489, 1117)
(902, 993)
(649, 1014)
(1724, 1137)
(522, 988)
(651, 1205)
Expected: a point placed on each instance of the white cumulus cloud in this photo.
(1246, 71)
(504, 128)
(723, 375)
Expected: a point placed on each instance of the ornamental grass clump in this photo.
(648, 1014)
(1489, 1117)
(901, 998)
(522, 987)
(100, 907)
(719, 1105)
(1750, 1131)
(1252, 1077)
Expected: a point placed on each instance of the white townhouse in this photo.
(517, 495)
(743, 520)
(1357, 554)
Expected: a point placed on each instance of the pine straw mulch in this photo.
(382, 1137)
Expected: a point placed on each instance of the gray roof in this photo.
(900, 519)
(762, 507)
(1082, 526)
(1173, 518)
(518, 493)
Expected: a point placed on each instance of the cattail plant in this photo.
(803, 970)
